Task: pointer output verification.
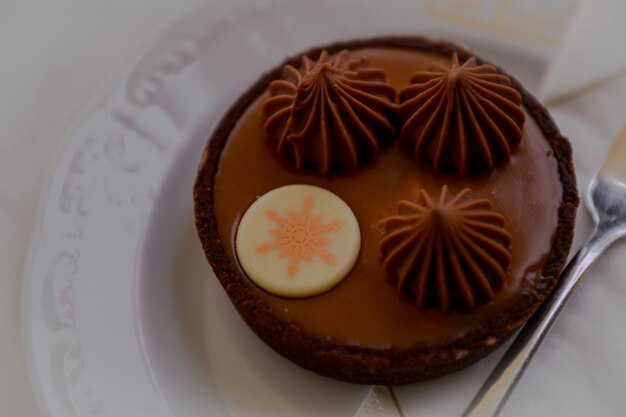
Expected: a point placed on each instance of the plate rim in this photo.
(62, 151)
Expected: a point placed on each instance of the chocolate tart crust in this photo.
(358, 364)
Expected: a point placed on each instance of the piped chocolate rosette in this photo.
(383, 237)
(463, 118)
(332, 114)
(451, 253)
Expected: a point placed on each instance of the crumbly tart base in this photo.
(359, 364)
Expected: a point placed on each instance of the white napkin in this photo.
(593, 51)
(585, 85)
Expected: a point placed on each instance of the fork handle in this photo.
(496, 390)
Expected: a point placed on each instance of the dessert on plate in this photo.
(387, 210)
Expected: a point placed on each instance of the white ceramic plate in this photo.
(121, 313)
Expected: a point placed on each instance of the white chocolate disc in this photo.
(298, 241)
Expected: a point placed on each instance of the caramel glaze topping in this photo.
(332, 115)
(463, 118)
(451, 253)
(364, 309)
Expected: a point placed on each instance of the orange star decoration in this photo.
(300, 236)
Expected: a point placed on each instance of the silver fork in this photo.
(606, 201)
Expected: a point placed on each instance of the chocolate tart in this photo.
(361, 331)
